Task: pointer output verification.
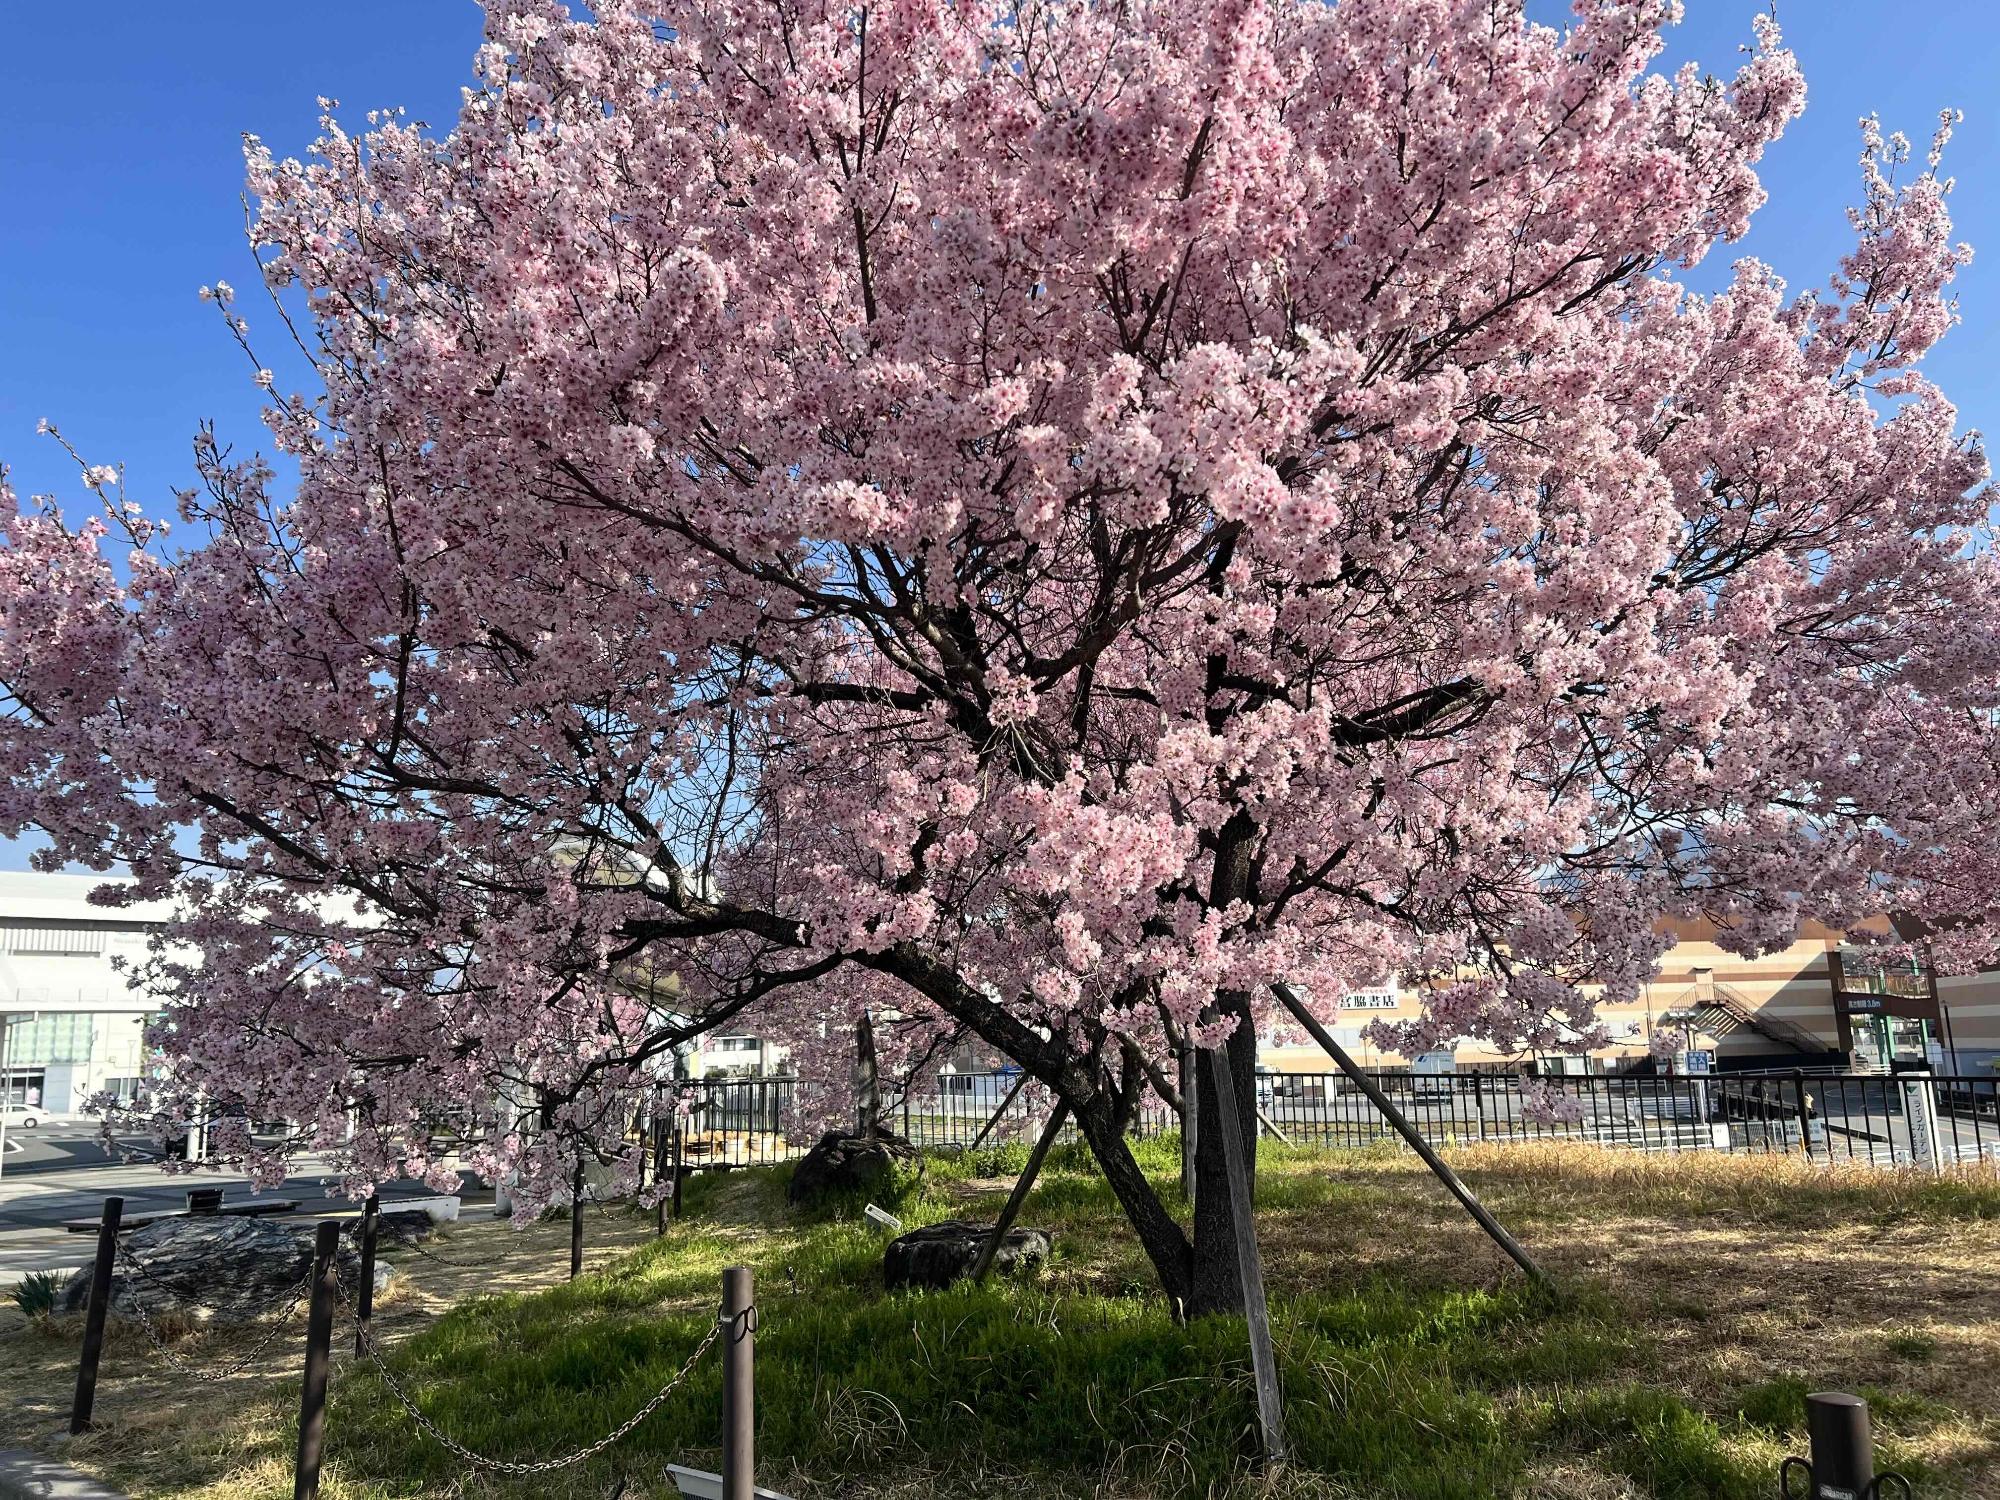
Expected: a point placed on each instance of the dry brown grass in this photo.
(165, 1433)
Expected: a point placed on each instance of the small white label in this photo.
(883, 1217)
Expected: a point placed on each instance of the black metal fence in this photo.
(1885, 1120)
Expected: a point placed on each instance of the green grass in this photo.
(1391, 1390)
(1405, 1377)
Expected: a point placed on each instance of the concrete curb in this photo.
(29, 1476)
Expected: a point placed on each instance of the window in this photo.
(51, 1037)
(52, 941)
(124, 1090)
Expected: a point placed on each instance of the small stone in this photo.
(939, 1254)
(842, 1163)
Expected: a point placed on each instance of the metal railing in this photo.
(1883, 1119)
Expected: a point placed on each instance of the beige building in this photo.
(71, 1022)
(1820, 1002)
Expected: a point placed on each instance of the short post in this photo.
(1842, 1466)
(576, 1219)
(364, 1296)
(739, 1385)
(319, 1346)
(1805, 1112)
(93, 1318)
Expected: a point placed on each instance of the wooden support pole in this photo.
(1289, 998)
(93, 1318)
(677, 1166)
(660, 1169)
(1271, 1128)
(1020, 1194)
(984, 1130)
(1249, 1265)
(576, 1219)
(1190, 1122)
(739, 1385)
(364, 1296)
(319, 1348)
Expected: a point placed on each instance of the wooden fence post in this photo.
(319, 1348)
(1249, 1266)
(93, 1318)
(364, 1296)
(739, 1385)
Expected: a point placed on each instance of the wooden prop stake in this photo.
(1249, 1265)
(1289, 998)
(1020, 1194)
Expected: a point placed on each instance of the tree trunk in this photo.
(1131, 1087)
(1216, 1286)
(1159, 1235)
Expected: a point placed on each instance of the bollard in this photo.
(739, 1386)
(319, 1346)
(93, 1318)
(364, 1295)
(1842, 1466)
(1804, 1113)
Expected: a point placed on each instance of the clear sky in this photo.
(120, 179)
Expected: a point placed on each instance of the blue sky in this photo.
(120, 176)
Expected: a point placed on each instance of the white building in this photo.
(70, 1021)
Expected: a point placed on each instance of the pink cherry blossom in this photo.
(1029, 527)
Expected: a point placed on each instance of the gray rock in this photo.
(939, 1254)
(218, 1267)
(848, 1163)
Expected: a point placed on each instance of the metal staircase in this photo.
(1723, 1012)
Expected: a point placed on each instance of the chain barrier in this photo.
(430, 1255)
(198, 1372)
(547, 1465)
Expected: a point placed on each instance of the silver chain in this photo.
(505, 1466)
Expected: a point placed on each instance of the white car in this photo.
(22, 1116)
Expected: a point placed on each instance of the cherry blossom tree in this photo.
(1047, 519)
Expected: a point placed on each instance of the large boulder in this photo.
(938, 1254)
(843, 1163)
(219, 1266)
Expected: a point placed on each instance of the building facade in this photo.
(1824, 1001)
(71, 1023)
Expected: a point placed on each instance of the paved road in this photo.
(59, 1147)
(65, 1176)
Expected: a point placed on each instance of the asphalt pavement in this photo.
(62, 1172)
